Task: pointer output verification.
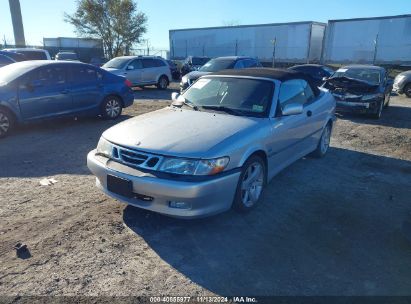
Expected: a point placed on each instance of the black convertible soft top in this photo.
(278, 74)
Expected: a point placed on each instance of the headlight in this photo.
(372, 96)
(194, 167)
(104, 147)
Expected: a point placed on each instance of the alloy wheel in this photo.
(113, 108)
(163, 83)
(4, 123)
(252, 184)
(325, 140)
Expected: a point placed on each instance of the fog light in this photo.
(179, 205)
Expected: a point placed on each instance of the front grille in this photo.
(136, 159)
(347, 97)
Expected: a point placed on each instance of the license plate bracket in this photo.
(120, 186)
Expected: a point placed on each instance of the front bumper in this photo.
(358, 107)
(203, 197)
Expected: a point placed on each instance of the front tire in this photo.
(111, 108)
(378, 114)
(162, 83)
(324, 143)
(251, 183)
(6, 122)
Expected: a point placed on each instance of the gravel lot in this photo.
(325, 227)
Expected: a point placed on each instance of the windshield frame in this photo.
(265, 114)
(230, 66)
(338, 74)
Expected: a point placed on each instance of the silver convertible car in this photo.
(217, 144)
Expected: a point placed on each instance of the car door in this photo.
(150, 71)
(290, 136)
(134, 72)
(85, 87)
(43, 93)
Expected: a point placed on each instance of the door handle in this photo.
(309, 113)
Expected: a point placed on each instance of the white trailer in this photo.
(380, 40)
(297, 42)
(64, 42)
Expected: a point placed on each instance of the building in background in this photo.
(296, 42)
(379, 40)
(85, 48)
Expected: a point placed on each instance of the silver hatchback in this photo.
(141, 70)
(217, 145)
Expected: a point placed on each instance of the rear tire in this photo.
(162, 83)
(111, 107)
(324, 143)
(251, 183)
(7, 122)
(407, 90)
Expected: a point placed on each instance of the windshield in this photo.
(368, 75)
(10, 72)
(199, 60)
(246, 96)
(67, 56)
(216, 65)
(117, 63)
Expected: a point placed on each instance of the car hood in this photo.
(350, 84)
(196, 74)
(179, 132)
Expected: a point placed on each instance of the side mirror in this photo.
(325, 79)
(292, 109)
(130, 67)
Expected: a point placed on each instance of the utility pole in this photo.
(274, 43)
(148, 47)
(17, 21)
(375, 50)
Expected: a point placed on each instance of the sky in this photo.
(44, 18)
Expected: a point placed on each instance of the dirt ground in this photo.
(325, 227)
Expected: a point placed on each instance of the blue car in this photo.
(37, 90)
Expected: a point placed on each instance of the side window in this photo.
(292, 92)
(83, 75)
(159, 63)
(308, 92)
(250, 63)
(136, 64)
(149, 63)
(47, 76)
(239, 64)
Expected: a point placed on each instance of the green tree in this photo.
(117, 22)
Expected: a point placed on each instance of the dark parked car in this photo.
(66, 56)
(173, 70)
(193, 64)
(216, 65)
(98, 61)
(361, 88)
(316, 71)
(36, 90)
(15, 56)
(402, 83)
(5, 60)
(31, 53)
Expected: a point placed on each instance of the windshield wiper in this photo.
(224, 109)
